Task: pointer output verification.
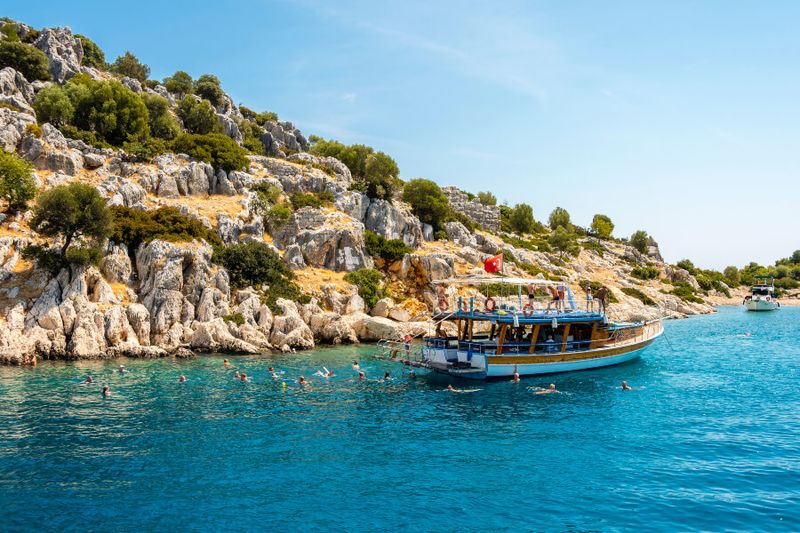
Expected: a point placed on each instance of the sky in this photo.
(680, 118)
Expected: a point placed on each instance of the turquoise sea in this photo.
(710, 440)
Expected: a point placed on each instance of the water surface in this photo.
(709, 441)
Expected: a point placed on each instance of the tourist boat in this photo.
(762, 295)
(498, 336)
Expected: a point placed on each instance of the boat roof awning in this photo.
(503, 280)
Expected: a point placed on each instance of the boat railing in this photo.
(521, 304)
(555, 346)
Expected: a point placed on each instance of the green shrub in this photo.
(71, 211)
(180, 83)
(251, 136)
(559, 218)
(17, 186)
(636, 293)
(108, 109)
(521, 218)
(9, 31)
(602, 226)
(277, 216)
(197, 115)
(236, 318)
(731, 274)
(458, 216)
(86, 136)
(129, 65)
(133, 227)
(267, 193)
(428, 202)
(259, 118)
(54, 106)
(374, 173)
(368, 281)
(527, 244)
(219, 150)
(687, 265)
(487, 198)
(641, 241)
(160, 120)
(388, 249)
(146, 150)
(208, 87)
(45, 258)
(531, 270)
(34, 129)
(80, 256)
(24, 58)
(564, 241)
(645, 272)
(310, 199)
(93, 56)
(685, 292)
(592, 245)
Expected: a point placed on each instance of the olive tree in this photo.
(17, 186)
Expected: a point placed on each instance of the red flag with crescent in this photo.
(493, 264)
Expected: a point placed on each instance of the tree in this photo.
(521, 218)
(179, 83)
(71, 211)
(93, 56)
(17, 186)
(559, 218)
(109, 109)
(217, 149)
(24, 58)
(54, 106)
(128, 65)
(161, 122)
(487, 198)
(564, 241)
(368, 281)
(602, 226)
(427, 201)
(380, 172)
(687, 265)
(641, 241)
(208, 86)
(375, 173)
(197, 115)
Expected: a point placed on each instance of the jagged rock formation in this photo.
(486, 216)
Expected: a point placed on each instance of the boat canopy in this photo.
(503, 280)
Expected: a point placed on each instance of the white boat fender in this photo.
(554, 323)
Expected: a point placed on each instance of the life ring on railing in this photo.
(490, 304)
(443, 304)
(768, 298)
(464, 306)
(527, 310)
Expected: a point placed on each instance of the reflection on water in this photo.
(709, 441)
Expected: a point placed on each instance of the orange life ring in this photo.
(527, 310)
(490, 304)
(442, 304)
(767, 298)
(464, 306)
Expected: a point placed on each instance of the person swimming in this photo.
(236, 375)
(550, 390)
(361, 375)
(106, 390)
(355, 365)
(302, 381)
(225, 362)
(412, 374)
(324, 373)
(515, 377)
(450, 388)
(181, 379)
(121, 369)
(273, 373)
(387, 376)
(89, 379)
(243, 378)
(625, 385)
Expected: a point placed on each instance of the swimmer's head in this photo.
(552, 386)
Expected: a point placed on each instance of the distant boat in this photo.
(762, 295)
(500, 336)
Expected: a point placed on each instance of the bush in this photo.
(636, 293)
(9, 31)
(731, 274)
(180, 83)
(645, 272)
(197, 115)
(45, 258)
(641, 241)
(24, 58)
(34, 129)
(277, 216)
(521, 218)
(207, 86)
(251, 136)
(93, 56)
(593, 245)
(161, 122)
(539, 245)
(259, 118)
(487, 198)
(80, 256)
(428, 202)
(128, 65)
(109, 109)
(564, 242)
(219, 150)
(17, 185)
(458, 216)
(310, 199)
(685, 292)
(388, 249)
(368, 281)
(71, 211)
(236, 318)
(559, 218)
(146, 150)
(375, 173)
(133, 227)
(86, 136)
(54, 106)
(602, 226)
(267, 194)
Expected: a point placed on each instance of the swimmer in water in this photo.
(387, 376)
(625, 385)
(89, 379)
(550, 390)
(225, 362)
(106, 390)
(412, 374)
(237, 375)
(361, 375)
(302, 381)
(273, 373)
(181, 379)
(121, 369)
(515, 377)
(324, 373)
(355, 365)
(244, 378)
(450, 388)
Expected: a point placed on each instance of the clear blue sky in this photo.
(680, 118)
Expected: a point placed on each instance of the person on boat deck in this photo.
(561, 289)
(589, 298)
(550, 344)
(601, 299)
(531, 293)
(554, 300)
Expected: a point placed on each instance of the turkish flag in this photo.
(493, 264)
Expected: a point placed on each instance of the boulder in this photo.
(382, 307)
(93, 160)
(393, 222)
(294, 257)
(64, 52)
(139, 320)
(15, 90)
(355, 305)
(289, 330)
(459, 234)
(13, 126)
(116, 264)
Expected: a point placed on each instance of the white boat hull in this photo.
(762, 304)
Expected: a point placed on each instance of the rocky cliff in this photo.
(172, 299)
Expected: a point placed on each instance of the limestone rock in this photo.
(139, 320)
(64, 52)
(116, 264)
(355, 305)
(13, 126)
(15, 90)
(393, 222)
(459, 234)
(289, 329)
(382, 307)
(294, 257)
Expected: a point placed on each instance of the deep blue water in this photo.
(711, 441)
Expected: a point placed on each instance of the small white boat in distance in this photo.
(762, 295)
